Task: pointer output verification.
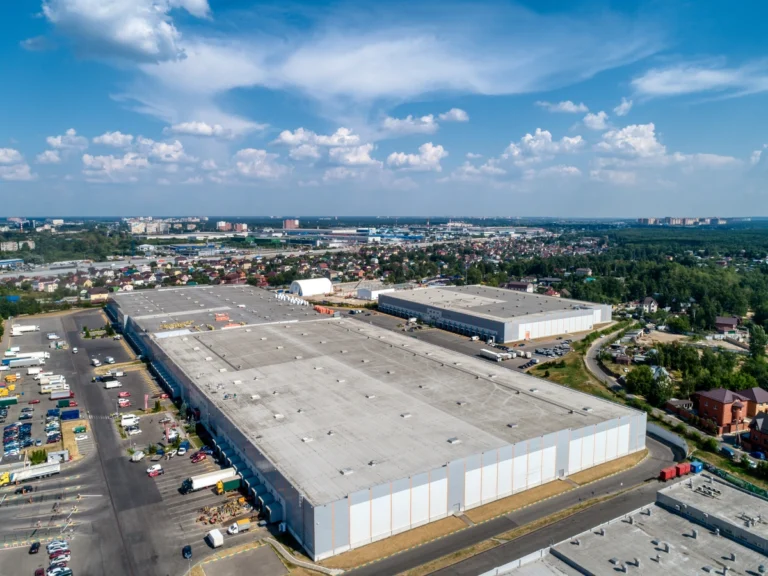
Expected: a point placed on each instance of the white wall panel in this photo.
(623, 440)
(588, 449)
(489, 482)
(534, 468)
(419, 504)
(548, 464)
(438, 498)
(505, 477)
(600, 447)
(360, 523)
(472, 490)
(520, 473)
(612, 443)
(401, 510)
(574, 456)
(381, 517)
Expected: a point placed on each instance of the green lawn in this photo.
(570, 371)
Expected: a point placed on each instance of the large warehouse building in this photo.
(504, 315)
(347, 433)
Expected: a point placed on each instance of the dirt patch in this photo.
(612, 467)
(394, 544)
(517, 501)
(68, 436)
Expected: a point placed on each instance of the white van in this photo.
(129, 420)
(95, 362)
(109, 384)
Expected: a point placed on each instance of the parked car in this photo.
(123, 394)
(198, 458)
(156, 473)
(56, 544)
(35, 548)
(25, 490)
(74, 350)
(186, 552)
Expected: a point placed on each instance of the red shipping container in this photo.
(683, 468)
(668, 473)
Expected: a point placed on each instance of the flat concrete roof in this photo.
(647, 538)
(388, 399)
(167, 309)
(496, 304)
(730, 505)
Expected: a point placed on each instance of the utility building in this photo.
(347, 433)
(504, 315)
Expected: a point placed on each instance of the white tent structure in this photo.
(311, 287)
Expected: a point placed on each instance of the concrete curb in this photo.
(308, 565)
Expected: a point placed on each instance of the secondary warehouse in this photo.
(504, 315)
(350, 433)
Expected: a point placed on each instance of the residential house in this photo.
(758, 400)
(726, 323)
(758, 433)
(519, 286)
(97, 295)
(649, 305)
(583, 271)
(725, 409)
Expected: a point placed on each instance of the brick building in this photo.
(726, 409)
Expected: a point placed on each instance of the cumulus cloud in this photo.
(566, 106)
(410, 125)
(342, 137)
(623, 108)
(636, 140)
(163, 151)
(618, 177)
(113, 168)
(138, 30)
(338, 173)
(10, 156)
(559, 170)
(596, 121)
(540, 146)
(209, 165)
(115, 139)
(68, 141)
(48, 157)
(428, 158)
(259, 164)
(305, 152)
(353, 155)
(473, 155)
(454, 115)
(202, 129)
(193, 180)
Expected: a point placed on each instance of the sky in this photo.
(240, 107)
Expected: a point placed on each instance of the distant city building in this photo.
(57, 222)
(647, 221)
(583, 271)
(138, 228)
(223, 226)
(12, 246)
(240, 227)
(290, 224)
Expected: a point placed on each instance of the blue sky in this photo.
(547, 108)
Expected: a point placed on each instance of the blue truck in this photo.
(728, 452)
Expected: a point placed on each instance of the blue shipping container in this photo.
(696, 467)
(70, 415)
(53, 412)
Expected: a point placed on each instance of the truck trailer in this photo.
(29, 473)
(495, 356)
(208, 480)
(62, 395)
(228, 485)
(109, 384)
(18, 329)
(25, 362)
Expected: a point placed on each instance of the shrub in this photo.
(38, 456)
(710, 445)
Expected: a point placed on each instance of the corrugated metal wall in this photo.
(384, 510)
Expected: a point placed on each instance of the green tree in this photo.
(38, 457)
(640, 380)
(758, 340)
(157, 407)
(108, 330)
(679, 324)
(87, 332)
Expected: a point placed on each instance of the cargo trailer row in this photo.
(680, 470)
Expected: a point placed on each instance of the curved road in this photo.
(644, 474)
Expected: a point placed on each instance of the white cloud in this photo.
(353, 155)
(10, 156)
(596, 121)
(619, 177)
(113, 168)
(49, 157)
(342, 137)
(428, 158)
(140, 30)
(560, 170)
(473, 156)
(254, 163)
(163, 181)
(68, 141)
(410, 125)
(454, 115)
(469, 171)
(164, 151)
(339, 173)
(305, 152)
(193, 180)
(566, 106)
(209, 165)
(703, 76)
(114, 139)
(623, 108)
(755, 157)
(540, 146)
(202, 129)
(635, 140)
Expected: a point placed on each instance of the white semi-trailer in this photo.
(208, 480)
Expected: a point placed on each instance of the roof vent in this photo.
(405, 415)
(370, 396)
(208, 358)
(255, 397)
(263, 337)
(298, 357)
(512, 425)
(534, 390)
(454, 440)
(222, 369)
(279, 416)
(587, 409)
(390, 371)
(461, 402)
(196, 348)
(307, 439)
(423, 386)
(237, 382)
(372, 463)
(343, 351)
(331, 432)
(341, 381)
(275, 393)
(346, 471)
(318, 367)
(300, 410)
(279, 347)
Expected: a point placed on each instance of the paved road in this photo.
(660, 457)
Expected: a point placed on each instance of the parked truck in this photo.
(228, 485)
(48, 388)
(18, 329)
(109, 384)
(62, 395)
(8, 401)
(240, 526)
(215, 538)
(66, 403)
(22, 355)
(70, 415)
(495, 356)
(25, 362)
(34, 370)
(208, 480)
(52, 379)
(116, 373)
(29, 473)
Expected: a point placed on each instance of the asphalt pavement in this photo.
(643, 476)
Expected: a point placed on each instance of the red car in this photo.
(35, 401)
(72, 403)
(155, 473)
(123, 394)
(199, 457)
(163, 396)
(58, 554)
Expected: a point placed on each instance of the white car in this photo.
(154, 468)
(74, 350)
(57, 545)
(81, 437)
(64, 557)
(182, 451)
(134, 431)
(109, 360)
